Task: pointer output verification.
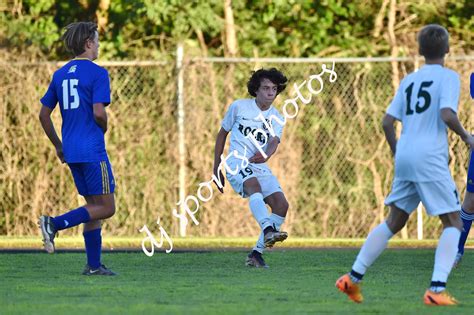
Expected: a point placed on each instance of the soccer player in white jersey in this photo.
(425, 103)
(256, 128)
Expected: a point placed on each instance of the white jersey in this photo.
(245, 119)
(422, 150)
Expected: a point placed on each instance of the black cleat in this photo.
(48, 230)
(255, 259)
(272, 236)
(101, 271)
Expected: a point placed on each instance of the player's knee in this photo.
(284, 206)
(252, 187)
(452, 220)
(395, 225)
(109, 210)
(457, 224)
(468, 204)
(397, 219)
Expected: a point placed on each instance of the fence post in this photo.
(419, 221)
(181, 136)
(419, 209)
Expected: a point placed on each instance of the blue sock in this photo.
(72, 218)
(467, 222)
(93, 241)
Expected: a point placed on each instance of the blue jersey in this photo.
(472, 85)
(77, 86)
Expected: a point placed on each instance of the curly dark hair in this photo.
(277, 77)
(77, 34)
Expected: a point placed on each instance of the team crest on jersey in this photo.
(260, 137)
(264, 126)
(72, 69)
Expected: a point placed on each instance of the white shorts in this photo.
(268, 182)
(439, 197)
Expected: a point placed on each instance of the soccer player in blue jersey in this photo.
(82, 90)
(467, 211)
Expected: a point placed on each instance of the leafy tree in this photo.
(148, 29)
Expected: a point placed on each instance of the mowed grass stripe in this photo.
(205, 243)
(298, 282)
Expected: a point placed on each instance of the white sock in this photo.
(276, 221)
(445, 254)
(374, 245)
(259, 210)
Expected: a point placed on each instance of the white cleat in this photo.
(48, 231)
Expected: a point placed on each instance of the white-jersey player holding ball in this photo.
(256, 128)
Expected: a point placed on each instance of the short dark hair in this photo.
(433, 41)
(77, 34)
(277, 77)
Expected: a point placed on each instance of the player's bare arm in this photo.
(452, 121)
(100, 115)
(218, 149)
(48, 127)
(271, 149)
(389, 130)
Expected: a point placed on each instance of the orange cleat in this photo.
(442, 298)
(353, 291)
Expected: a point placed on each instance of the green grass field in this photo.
(217, 282)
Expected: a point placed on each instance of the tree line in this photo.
(148, 29)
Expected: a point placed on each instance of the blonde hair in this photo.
(77, 34)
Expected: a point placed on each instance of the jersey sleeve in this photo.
(50, 99)
(277, 127)
(449, 92)
(101, 88)
(230, 117)
(395, 108)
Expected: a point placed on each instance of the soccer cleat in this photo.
(441, 298)
(48, 231)
(273, 236)
(457, 261)
(255, 259)
(353, 290)
(101, 271)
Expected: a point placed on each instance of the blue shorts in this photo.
(93, 178)
(470, 174)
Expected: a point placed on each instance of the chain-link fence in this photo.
(333, 163)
